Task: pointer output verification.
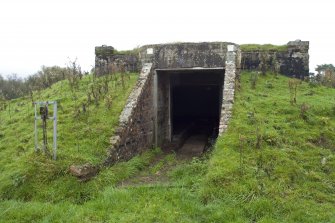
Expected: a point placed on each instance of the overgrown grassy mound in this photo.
(274, 164)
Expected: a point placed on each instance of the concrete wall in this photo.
(191, 55)
(163, 125)
(293, 62)
(185, 55)
(107, 60)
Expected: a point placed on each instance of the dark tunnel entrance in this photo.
(195, 105)
(193, 98)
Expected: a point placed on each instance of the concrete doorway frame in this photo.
(156, 97)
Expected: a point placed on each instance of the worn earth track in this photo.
(159, 170)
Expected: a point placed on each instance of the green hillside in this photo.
(275, 163)
(83, 136)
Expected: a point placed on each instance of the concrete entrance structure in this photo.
(180, 86)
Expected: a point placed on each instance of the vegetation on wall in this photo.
(263, 47)
(104, 51)
(134, 51)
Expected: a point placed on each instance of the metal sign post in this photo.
(43, 114)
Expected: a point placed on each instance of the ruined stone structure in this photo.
(181, 86)
(184, 87)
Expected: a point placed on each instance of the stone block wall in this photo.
(135, 131)
(231, 72)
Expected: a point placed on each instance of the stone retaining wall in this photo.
(135, 131)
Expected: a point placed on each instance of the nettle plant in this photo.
(293, 88)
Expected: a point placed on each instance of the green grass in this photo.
(272, 165)
(133, 52)
(263, 47)
(82, 137)
(283, 180)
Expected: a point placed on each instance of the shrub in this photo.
(259, 138)
(263, 66)
(251, 118)
(293, 87)
(271, 137)
(253, 79)
(269, 85)
(109, 101)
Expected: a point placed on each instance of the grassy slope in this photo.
(82, 138)
(284, 179)
(281, 181)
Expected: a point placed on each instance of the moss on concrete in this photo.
(104, 51)
(263, 47)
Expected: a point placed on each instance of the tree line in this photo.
(13, 86)
(325, 75)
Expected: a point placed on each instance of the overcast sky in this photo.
(43, 32)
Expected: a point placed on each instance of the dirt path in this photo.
(158, 171)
